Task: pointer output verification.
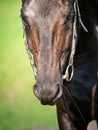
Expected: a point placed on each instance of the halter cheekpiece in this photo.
(77, 18)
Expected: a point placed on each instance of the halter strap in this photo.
(70, 66)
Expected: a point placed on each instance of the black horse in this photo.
(62, 36)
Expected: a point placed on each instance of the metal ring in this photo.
(68, 76)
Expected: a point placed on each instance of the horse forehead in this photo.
(41, 7)
(40, 4)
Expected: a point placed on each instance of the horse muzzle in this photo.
(48, 93)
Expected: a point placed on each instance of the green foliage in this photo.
(19, 109)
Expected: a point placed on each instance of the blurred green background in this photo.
(19, 109)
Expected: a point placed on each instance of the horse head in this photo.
(48, 26)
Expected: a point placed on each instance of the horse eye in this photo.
(24, 20)
(25, 23)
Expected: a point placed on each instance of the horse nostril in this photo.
(58, 93)
(35, 90)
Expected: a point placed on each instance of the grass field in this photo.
(19, 109)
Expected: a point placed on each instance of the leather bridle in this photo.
(77, 18)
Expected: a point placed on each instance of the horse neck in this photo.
(87, 41)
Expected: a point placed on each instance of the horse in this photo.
(62, 44)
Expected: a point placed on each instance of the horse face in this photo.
(48, 26)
